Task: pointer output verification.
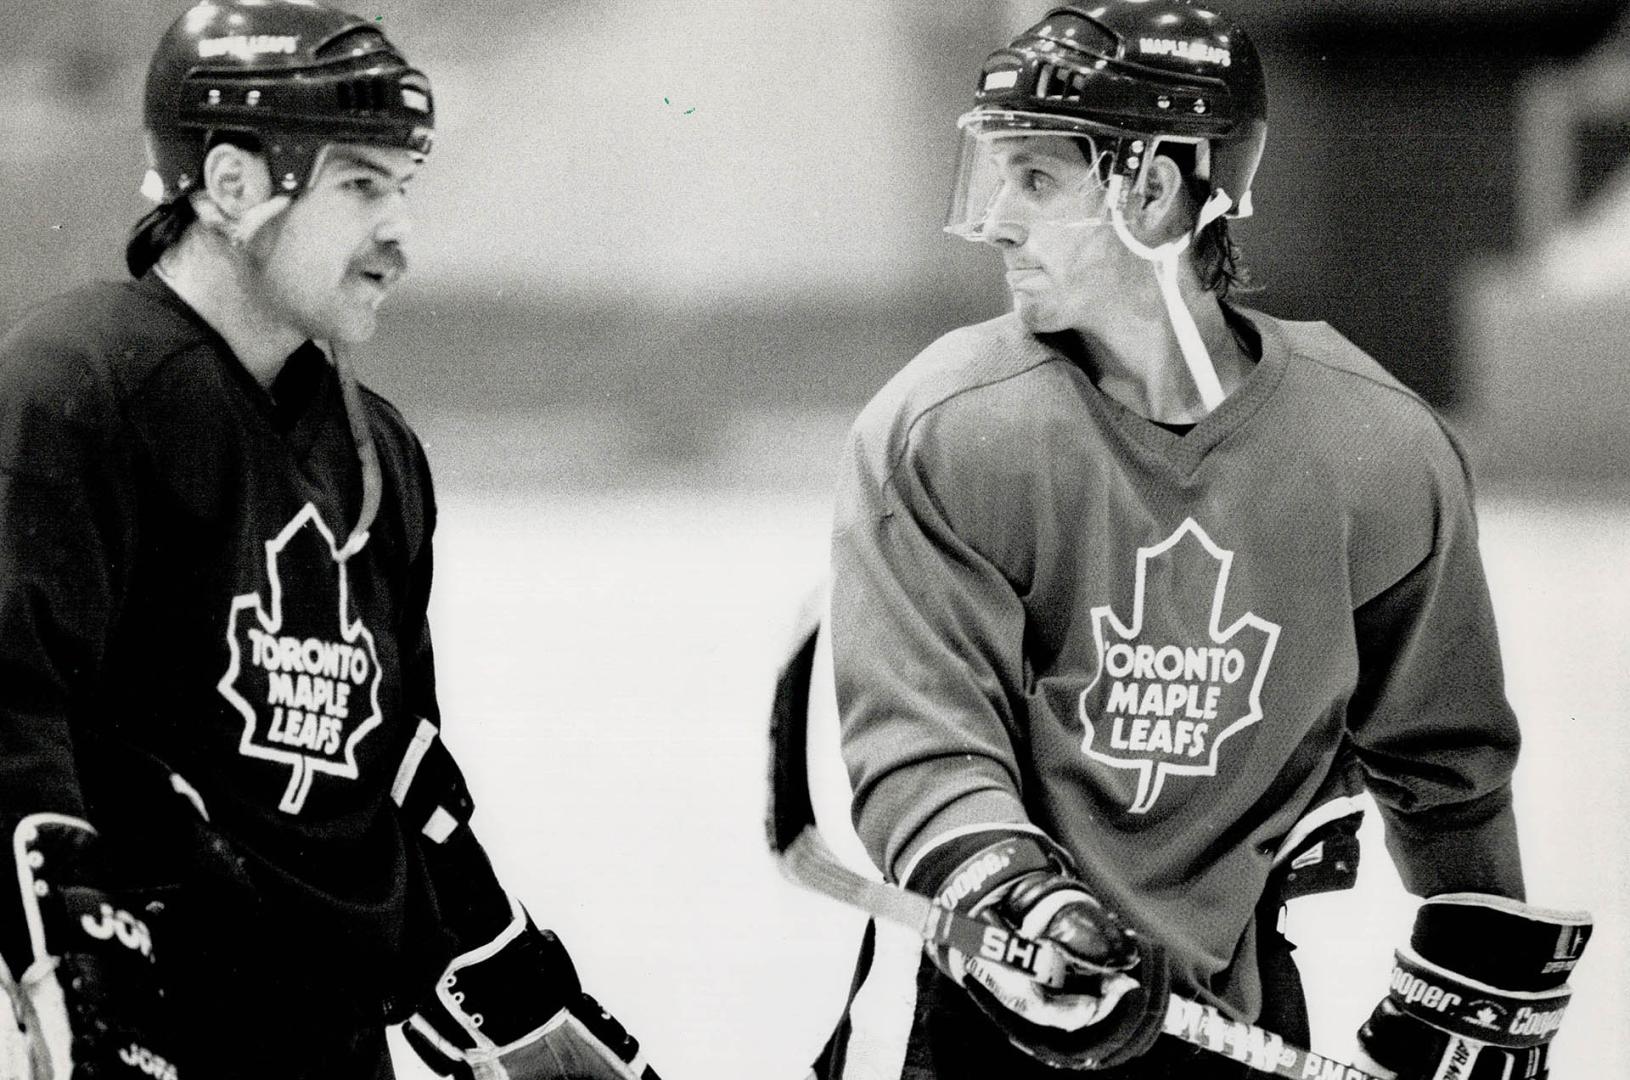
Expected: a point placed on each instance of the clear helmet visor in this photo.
(1013, 176)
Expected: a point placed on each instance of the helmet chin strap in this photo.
(238, 231)
(367, 455)
(1166, 260)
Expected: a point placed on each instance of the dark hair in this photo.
(156, 232)
(161, 227)
(1216, 255)
(1217, 258)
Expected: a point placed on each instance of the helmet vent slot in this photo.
(1056, 83)
(361, 95)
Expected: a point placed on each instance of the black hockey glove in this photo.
(513, 1010)
(1113, 1002)
(511, 1006)
(90, 1003)
(1478, 993)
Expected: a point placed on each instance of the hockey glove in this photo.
(90, 1004)
(1113, 1001)
(1478, 993)
(513, 1010)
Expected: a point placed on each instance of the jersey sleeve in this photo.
(470, 904)
(65, 539)
(1429, 719)
(927, 635)
(418, 657)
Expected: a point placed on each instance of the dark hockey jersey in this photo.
(171, 600)
(1157, 647)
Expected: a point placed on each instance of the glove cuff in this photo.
(1497, 940)
(965, 867)
(497, 992)
(1448, 1001)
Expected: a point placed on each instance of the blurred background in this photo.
(664, 250)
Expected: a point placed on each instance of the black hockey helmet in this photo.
(1126, 76)
(292, 74)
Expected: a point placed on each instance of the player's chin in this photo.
(355, 315)
(1038, 317)
(351, 330)
(355, 323)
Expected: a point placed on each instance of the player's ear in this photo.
(1160, 200)
(236, 197)
(236, 179)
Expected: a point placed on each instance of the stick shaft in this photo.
(809, 862)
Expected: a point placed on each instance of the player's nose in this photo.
(395, 224)
(1003, 232)
(1002, 226)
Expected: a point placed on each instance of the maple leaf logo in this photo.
(304, 677)
(1176, 684)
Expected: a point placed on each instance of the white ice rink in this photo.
(605, 666)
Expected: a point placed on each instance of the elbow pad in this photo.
(429, 790)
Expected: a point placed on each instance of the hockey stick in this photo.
(806, 860)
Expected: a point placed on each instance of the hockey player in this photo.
(239, 847)
(1133, 585)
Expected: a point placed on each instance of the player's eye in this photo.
(1037, 182)
(370, 186)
